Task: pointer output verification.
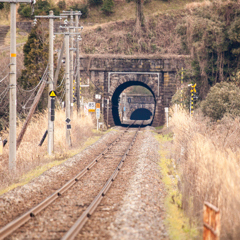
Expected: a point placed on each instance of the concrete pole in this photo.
(67, 93)
(78, 67)
(12, 92)
(50, 87)
(107, 111)
(71, 65)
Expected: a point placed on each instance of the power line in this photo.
(61, 82)
(5, 67)
(33, 88)
(4, 78)
(4, 92)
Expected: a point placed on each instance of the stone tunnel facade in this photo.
(111, 74)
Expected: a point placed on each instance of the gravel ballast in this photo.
(132, 209)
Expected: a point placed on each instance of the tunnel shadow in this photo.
(141, 114)
(115, 98)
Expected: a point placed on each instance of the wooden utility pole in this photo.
(32, 109)
(59, 64)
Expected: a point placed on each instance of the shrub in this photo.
(223, 98)
(80, 7)
(62, 5)
(41, 7)
(107, 6)
(1, 6)
(95, 2)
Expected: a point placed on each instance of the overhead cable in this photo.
(4, 78)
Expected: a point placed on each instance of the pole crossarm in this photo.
(49, 16)
(18, 1)
(68, 33)
(68, 13)
(71, 27)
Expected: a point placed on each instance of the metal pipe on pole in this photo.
(12, 91)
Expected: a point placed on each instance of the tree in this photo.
(107, 6)
(139, 15)
(35, 58)
(223, 98)
(42, 7)
(210, 33)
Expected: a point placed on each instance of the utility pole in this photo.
(12, 91)
(71, 14)
(67, 93)
(78, 66)
(67, 82)
(71, 64)
(50, 81)
(13, 84)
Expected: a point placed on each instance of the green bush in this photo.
(107, 6)
(95, 2)
(81, 7)
(41, 7)
(223, 98)
(1, 6)
(62, 5)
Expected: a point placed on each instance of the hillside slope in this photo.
(157, 36)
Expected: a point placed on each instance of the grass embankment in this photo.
(33, 160)
(176, 221)
(208, 158)
(124, 10)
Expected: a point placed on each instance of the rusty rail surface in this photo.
(211, 222)
(18, 222)
(78, 225)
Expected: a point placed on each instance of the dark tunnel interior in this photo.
(116, 95)
(141, 114)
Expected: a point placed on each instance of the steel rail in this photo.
(18, 222)
(78, 225)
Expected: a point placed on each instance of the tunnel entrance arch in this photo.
(116, 95)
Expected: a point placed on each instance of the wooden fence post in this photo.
(211, 222)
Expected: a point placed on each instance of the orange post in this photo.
(211, 222)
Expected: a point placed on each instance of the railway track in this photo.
(113, 156)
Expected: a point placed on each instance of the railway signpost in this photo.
(97, 113)
(91, 106)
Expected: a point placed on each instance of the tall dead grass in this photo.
(30, 155)
(208, 157)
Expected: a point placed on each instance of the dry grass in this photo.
(30, 155)
(158, 36)
(208, 157)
